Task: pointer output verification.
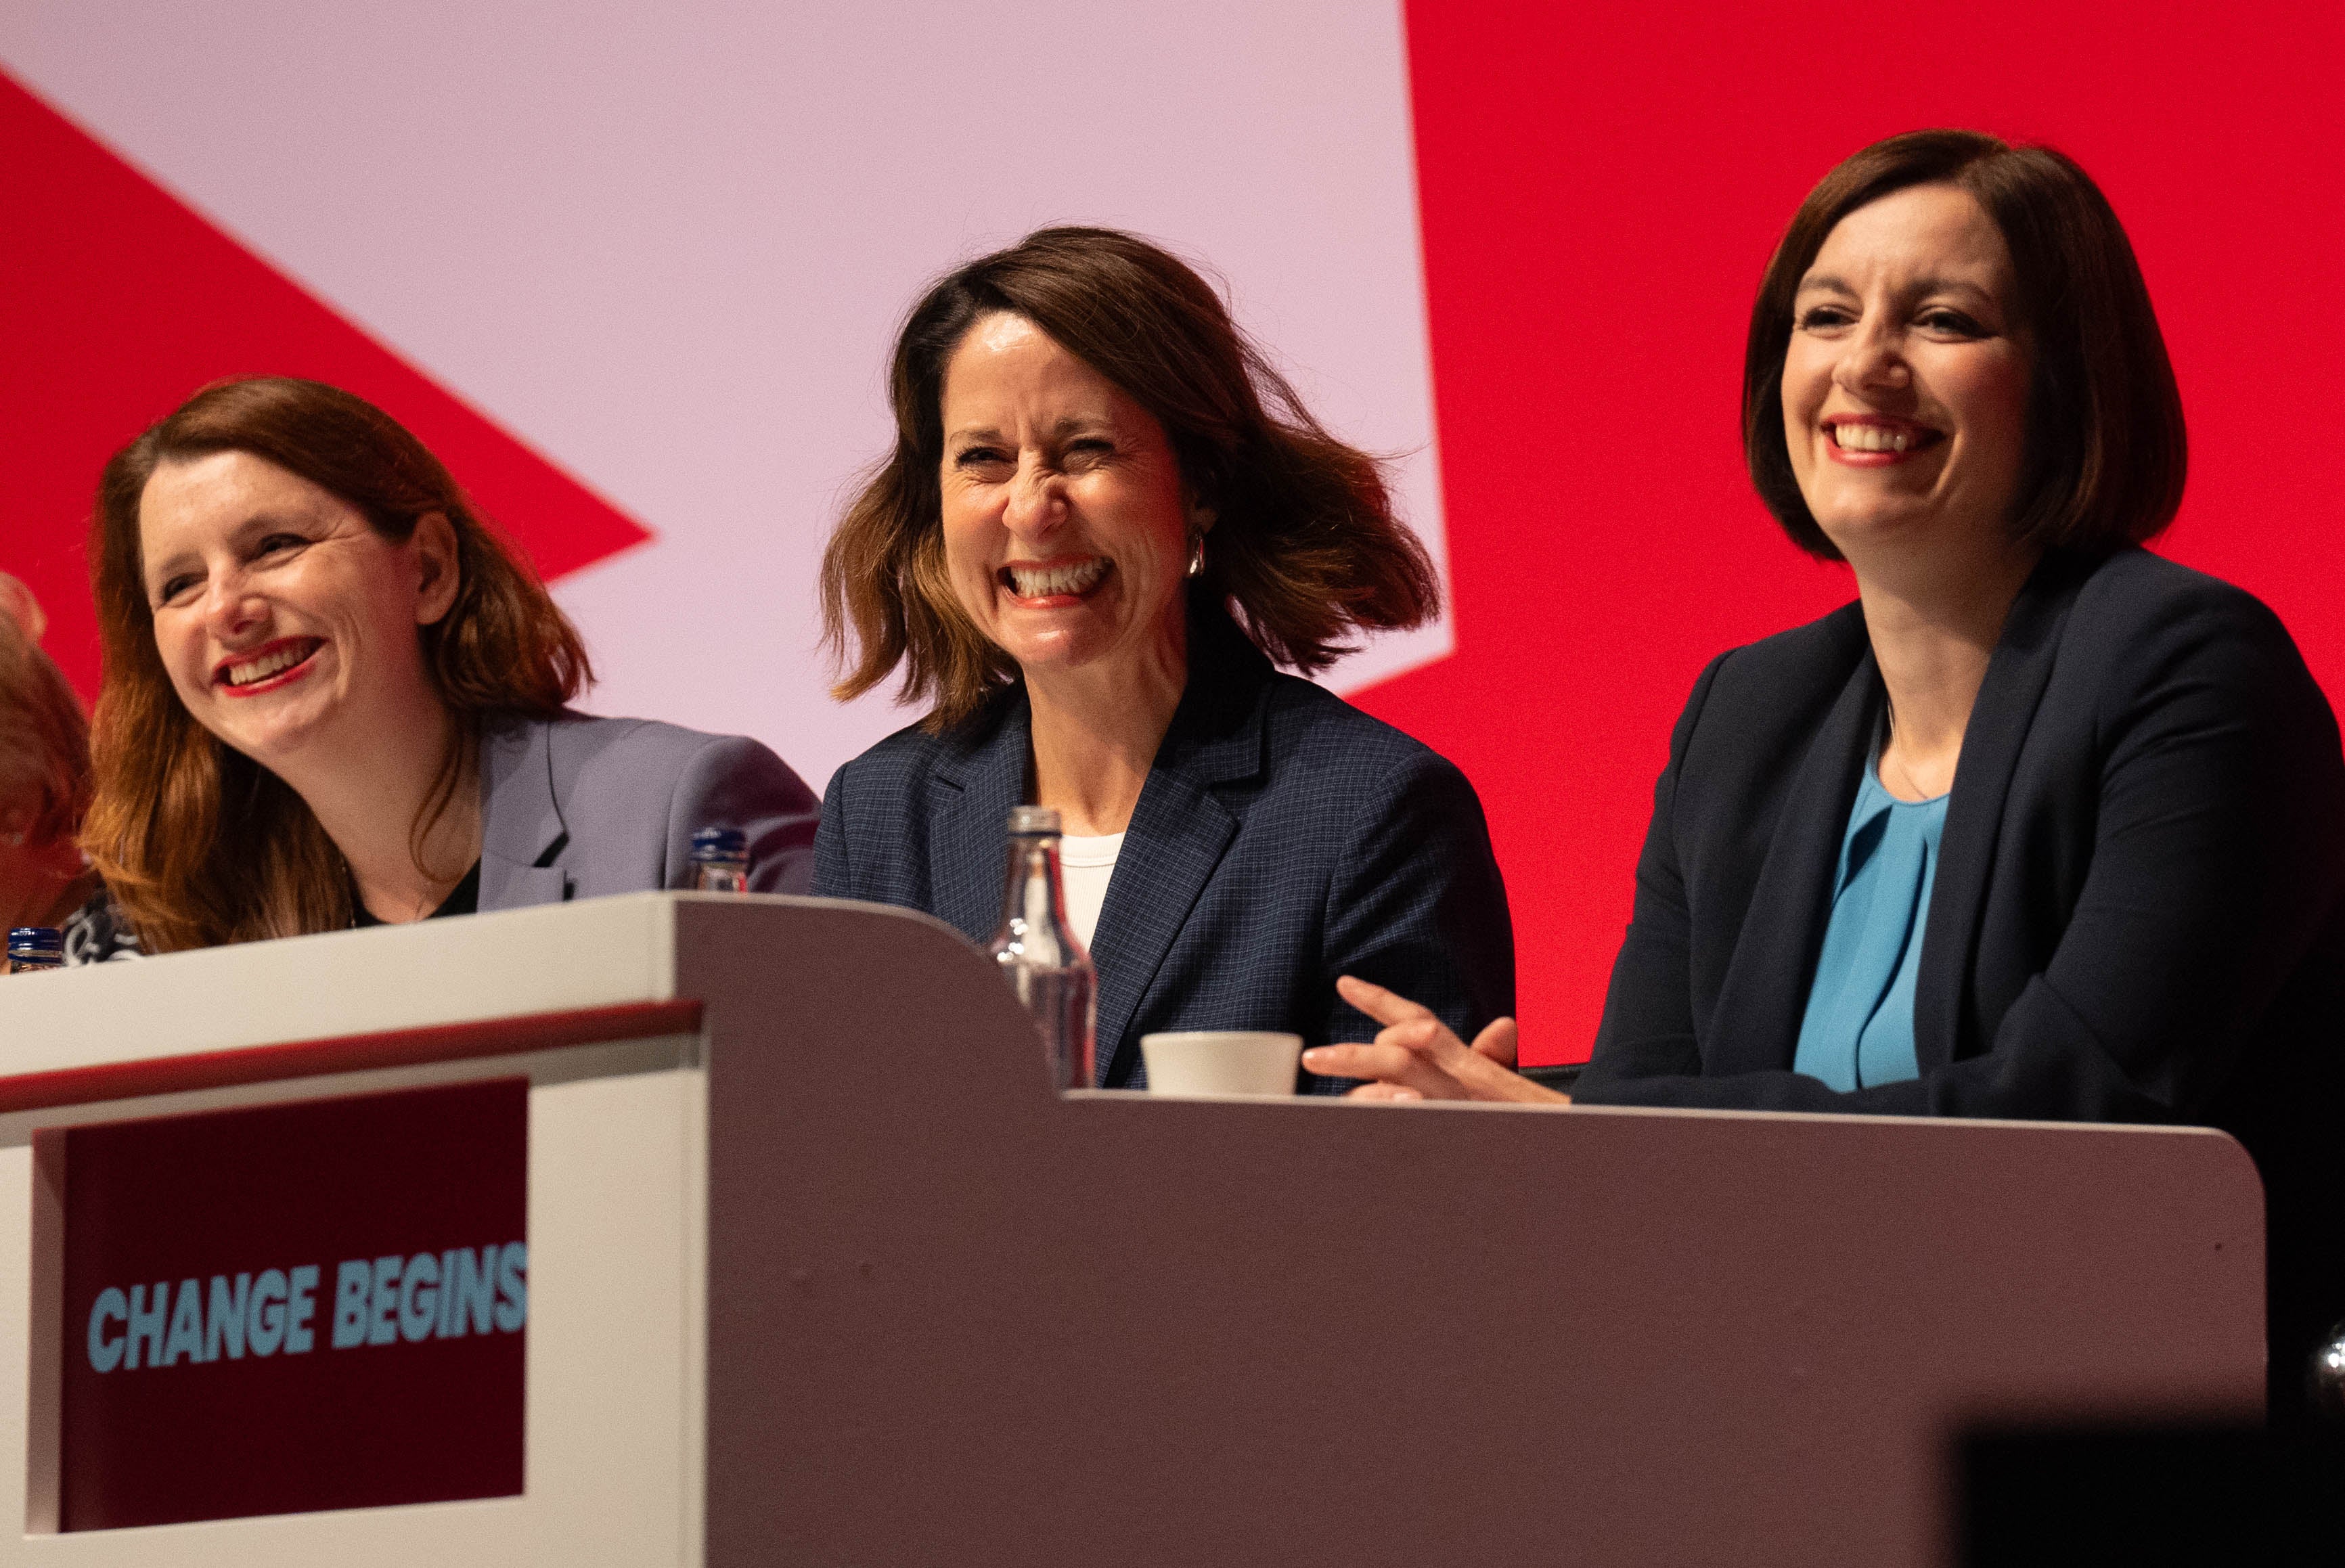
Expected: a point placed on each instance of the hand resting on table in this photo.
(1417, 1057)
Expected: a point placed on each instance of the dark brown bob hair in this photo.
(1304, 547)
(200, 843)
(2107, 450)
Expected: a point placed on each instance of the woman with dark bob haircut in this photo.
(1104, 518)
(2127, 903)
(334, 697)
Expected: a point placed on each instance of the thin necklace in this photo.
(1921, 795)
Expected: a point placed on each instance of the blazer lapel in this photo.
(969, 835)
(1756, 1022)
(522, 828)
(1178, 834)
(2016, 678)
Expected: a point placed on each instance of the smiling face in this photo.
(283, 619)
(1905, 386)
(1067, 527)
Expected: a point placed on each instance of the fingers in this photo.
(1487, 1071)
(1389, 1094)
(1394, 1066)
(1385, 1006)
(1498, 1042)
(1415, 1051)
(1413, 1027)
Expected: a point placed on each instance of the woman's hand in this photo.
(1416, 1056)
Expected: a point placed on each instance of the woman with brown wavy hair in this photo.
(334, 697)
(1104, 518)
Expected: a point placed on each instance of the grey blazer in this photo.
(577, 808)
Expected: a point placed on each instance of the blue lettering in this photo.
(187, 1325)
(472, 1286)
(301, 1306)
(145, 1326)
(513, 1287)
(106, 1354)
(224, 1325)
(419, 1297)
(265, 1330)
(382, 1325)
(353, 1282)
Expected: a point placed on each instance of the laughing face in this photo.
(284, 620)
(1905, 387)
(1067, 527)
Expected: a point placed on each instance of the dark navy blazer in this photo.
(2140, 911)
(1283, 838)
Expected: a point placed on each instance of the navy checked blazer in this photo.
(1283, 838)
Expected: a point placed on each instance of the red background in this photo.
(312, 1182)
(1602, 187)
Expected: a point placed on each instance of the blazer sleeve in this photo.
(834, 874)
(1646, 1032)
(735, 782)
(2218, 858)
(1416, 904)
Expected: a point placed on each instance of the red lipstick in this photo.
(306, 648)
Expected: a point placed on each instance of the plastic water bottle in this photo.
(720, 860)
(33, 948)
(1038, 951)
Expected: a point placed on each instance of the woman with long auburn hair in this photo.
(334, 697)
(1104, 518)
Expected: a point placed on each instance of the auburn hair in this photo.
(2106, 451)
(44, 739)
(1305, 546)
(200, 843)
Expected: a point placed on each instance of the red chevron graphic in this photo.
(120, 300)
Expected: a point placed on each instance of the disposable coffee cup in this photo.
(1220, 1062)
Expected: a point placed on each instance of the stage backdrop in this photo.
(634, 271)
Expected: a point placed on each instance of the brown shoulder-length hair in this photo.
(2106, 451)
(44, 739)
(1304, 546)
(200, 843)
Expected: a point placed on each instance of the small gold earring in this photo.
(1197, 556)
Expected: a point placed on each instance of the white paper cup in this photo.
(1220, 1062)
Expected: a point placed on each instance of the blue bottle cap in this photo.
(36, 939)
(719, 843)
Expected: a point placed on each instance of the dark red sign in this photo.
(297, 1307)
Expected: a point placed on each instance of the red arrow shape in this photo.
(120, 300)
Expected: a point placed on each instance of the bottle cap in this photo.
(1033, 819)
(719, 843)
(36, 939)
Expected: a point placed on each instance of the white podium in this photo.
(820, 1272)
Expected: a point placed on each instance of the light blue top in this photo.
(1859, 1029)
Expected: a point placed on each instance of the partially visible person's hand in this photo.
(1417, 1055)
